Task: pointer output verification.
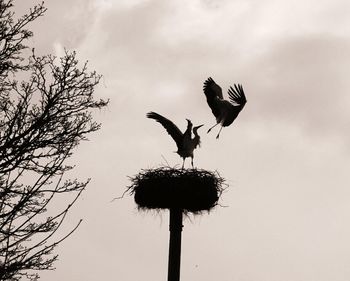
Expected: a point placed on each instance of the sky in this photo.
(285, 158)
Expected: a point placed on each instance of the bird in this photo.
(184, 141)
(225, 111)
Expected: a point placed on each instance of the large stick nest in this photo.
(191, 190)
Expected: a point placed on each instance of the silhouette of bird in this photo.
(184, 141)
(225, 111)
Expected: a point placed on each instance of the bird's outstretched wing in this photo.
(211, 89)
(212, 92)
(171, 128)
(237, 95)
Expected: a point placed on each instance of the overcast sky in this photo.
(286, 157)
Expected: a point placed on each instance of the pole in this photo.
(175, 228)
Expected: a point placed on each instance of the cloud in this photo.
(156, 55)
(303, 81)
(292, 68)
(65, 22)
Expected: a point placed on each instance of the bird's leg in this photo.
(212, 128)
(219, 133)
(192, 162)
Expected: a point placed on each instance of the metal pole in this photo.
(175, 228)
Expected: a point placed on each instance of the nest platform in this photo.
(191, 190)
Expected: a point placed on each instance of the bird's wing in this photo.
(212, 92)
(237, 95)
(171, 128)
(211, 89)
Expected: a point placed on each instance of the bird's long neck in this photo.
(197, 139)
(188, 130)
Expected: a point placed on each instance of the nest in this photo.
(191, 190)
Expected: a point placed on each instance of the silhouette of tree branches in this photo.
(42, 120)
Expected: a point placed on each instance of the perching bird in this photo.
(184, 141)
(225, 111)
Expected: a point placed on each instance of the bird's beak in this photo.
(199, 126)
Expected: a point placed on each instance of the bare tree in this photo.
(42, 120)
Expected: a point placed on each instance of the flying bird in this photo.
(225, 111)
(184, 141)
